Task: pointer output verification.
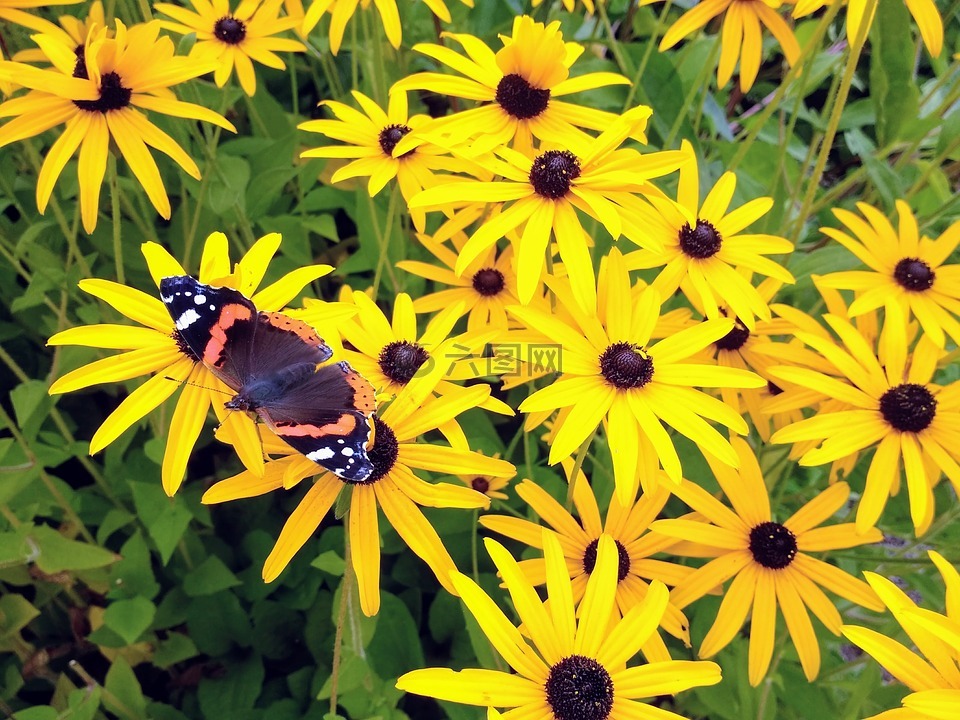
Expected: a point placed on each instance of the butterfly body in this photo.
(277, 366)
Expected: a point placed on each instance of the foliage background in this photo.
(120, 602)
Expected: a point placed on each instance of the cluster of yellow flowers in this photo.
(678, 331)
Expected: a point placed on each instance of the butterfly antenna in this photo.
(196, 385)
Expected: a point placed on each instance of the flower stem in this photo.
(635, 85)
(813, 182)
(383, 241)
(577, 466)
(346, 589)
(117, 217)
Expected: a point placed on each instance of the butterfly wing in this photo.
(328, 419)
(216, 324)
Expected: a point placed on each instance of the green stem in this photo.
(474, 554)
(577, 466)
(836, 112)
(346, 589)
(622, 60)
(701, 83)
(383, 240)
(47, 481)
(749, 136)
(117, 218)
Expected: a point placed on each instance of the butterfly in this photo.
(275, 365)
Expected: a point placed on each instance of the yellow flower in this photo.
(518, 85)
(892, 404)
(234, 39)
(96, 95)
(769, 562)
(924, 12)
(393, 486)
(609, 370)
(489, 485)
(157, 348)
(701, 245)
(340, 13)
(72, 31)
(903, 265)
(628, 526)
(935, 682)
(544, 194)
(485, 290)
(573, 667)
(371, 137)
(741, 37)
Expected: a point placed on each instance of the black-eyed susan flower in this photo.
(925, 14)
(893, 405)
(370, 138)
(542, 194)
(234, 39)
(99, 95)
(935, 682)
(157, 349)
(518, 84)
(72, 30)
(770, 562)
(741, 37)
(579, 538)
(489, 485)
(397, 453)
(573, 666)
(903, 265)
(13, 11)
(485, 289)
(610, 370)
(701, 246)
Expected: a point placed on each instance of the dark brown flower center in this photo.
(80, 66)
(383, 454)
(183, 347)
(625, 365)
(480, 484)
(579, 688)
(700, 242)
(908, 407)
(736, 338)
(390, 136)
(519, 98)
(113, 95)
(590, 559)
(773, 545)
(400, 360)
(552, 172)
(914, 274)
(230, 30)
(488, 282)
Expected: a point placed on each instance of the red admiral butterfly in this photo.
(273, 363)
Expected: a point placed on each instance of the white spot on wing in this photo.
(200, 299)
(346, 451)
(188, 318)
(321, 454)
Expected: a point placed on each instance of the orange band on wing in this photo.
(343, 426)
(363, 396)
(298, 327)
(229, 314)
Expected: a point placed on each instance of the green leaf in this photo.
(395, 648)
(31, 404)
(210, 577)
(330, 562)
(44, 712)
(133, 575)
(166, 518)
(123, 695)
(228, 185)
(129, 618)
(84, 703)
(15, 612)
(233, 692)
(176, 648)
(56, 553)
(893, 90)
